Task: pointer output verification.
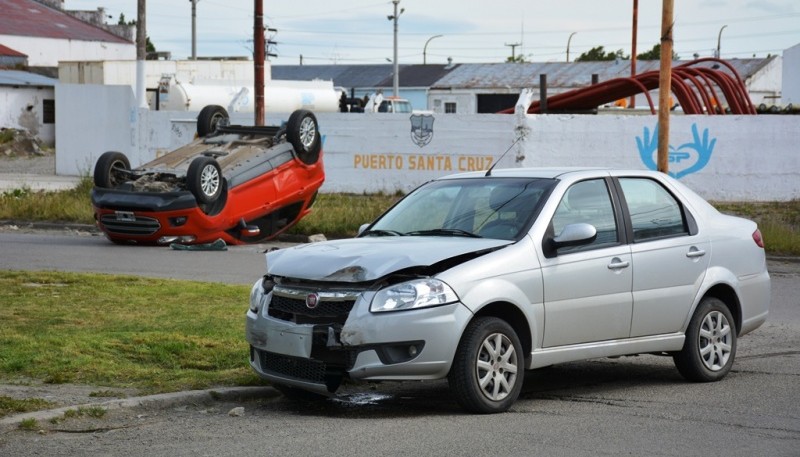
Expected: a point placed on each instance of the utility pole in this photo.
(258, 60)
(513, 47)
(194, 29)
(569, 40)
(719, 42)
(141, 52)
(635, 28)
(664, 85)
(396, 76)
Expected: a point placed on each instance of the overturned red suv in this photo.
(243, 184)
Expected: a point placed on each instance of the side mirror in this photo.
(575, 235)
(248, 230)
(362, 228)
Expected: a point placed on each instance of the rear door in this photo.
(670, 257)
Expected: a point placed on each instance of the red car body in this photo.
(265, 186)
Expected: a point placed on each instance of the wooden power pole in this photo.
(664, 85)
(258, 60)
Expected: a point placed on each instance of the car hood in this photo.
(370, 258)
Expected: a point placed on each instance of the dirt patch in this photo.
(64, 394)
(20, 143)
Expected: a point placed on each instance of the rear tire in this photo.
(209, 118)
(204, 179)
(710, 345)
(302, 131)
(488, 369)
(109, 171)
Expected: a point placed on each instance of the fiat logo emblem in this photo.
(312, 300)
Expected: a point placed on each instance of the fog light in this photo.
(167, 239)
(412, 351)
(187, 238)
(178, 221)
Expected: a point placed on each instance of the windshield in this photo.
(488, 207)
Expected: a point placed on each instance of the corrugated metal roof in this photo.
(487, 76)
(23, 78)
(563, 74)
(6, 51)
(29, 18)
(341, 75)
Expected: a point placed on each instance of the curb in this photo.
(159, 400)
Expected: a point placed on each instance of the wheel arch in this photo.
(728, 296)
(515, 318)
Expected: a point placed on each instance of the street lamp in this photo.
(719, 39)
(425, 49)
(568, 41)
(394, 17)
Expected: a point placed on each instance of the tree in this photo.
(516, 59)
(655, 54)
(599, 53)
(148, 45)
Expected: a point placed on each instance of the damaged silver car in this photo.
(479, 277)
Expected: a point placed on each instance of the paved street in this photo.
(626, 406)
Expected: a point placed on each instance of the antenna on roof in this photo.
(489, 171)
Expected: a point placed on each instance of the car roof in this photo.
(545, 172)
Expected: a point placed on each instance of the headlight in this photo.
(420, 293)
(261, 288)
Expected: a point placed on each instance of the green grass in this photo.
(340, 215)
(72, 205)
(28, 425)
(779, 223)
(122, 331)
(10, 405)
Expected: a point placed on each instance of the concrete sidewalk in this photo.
(36, 182)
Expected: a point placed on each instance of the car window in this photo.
(588, 202)
(385, 107)
(655, 213)
(491, 207)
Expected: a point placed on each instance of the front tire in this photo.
(710, 345)
(302, 131)
(204, 179)
(488, 369)
(110, 169)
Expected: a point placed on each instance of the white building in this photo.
(27, 102)
(49, 35)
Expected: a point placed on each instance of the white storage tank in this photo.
(279, 96)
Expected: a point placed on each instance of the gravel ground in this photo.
(35, 165)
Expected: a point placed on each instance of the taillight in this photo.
(758, 238)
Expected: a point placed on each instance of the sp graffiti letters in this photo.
(683, 160)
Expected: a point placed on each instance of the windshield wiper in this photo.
(379, 232)
(444, 232)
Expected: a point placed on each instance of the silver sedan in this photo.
(479, 277)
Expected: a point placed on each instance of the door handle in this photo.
(617, 263)
(694, 252)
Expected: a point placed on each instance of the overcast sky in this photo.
(358, 31)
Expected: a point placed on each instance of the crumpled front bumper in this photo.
(404, 345)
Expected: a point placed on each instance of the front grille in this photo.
(298, 368)
(137, 225)
(290, 305)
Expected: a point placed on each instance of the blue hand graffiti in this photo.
(700, 148)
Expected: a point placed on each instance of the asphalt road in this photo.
(626, 406)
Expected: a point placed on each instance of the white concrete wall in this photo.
(791, 76)
(91, 120)
(721, 157)
(22, 108)
(47, 52)
(124, 72)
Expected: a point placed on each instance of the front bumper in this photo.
(154, 218)
(404, 345)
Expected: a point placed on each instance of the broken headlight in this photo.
(419, 293)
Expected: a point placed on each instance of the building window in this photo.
(450, 107)
(49, 112)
